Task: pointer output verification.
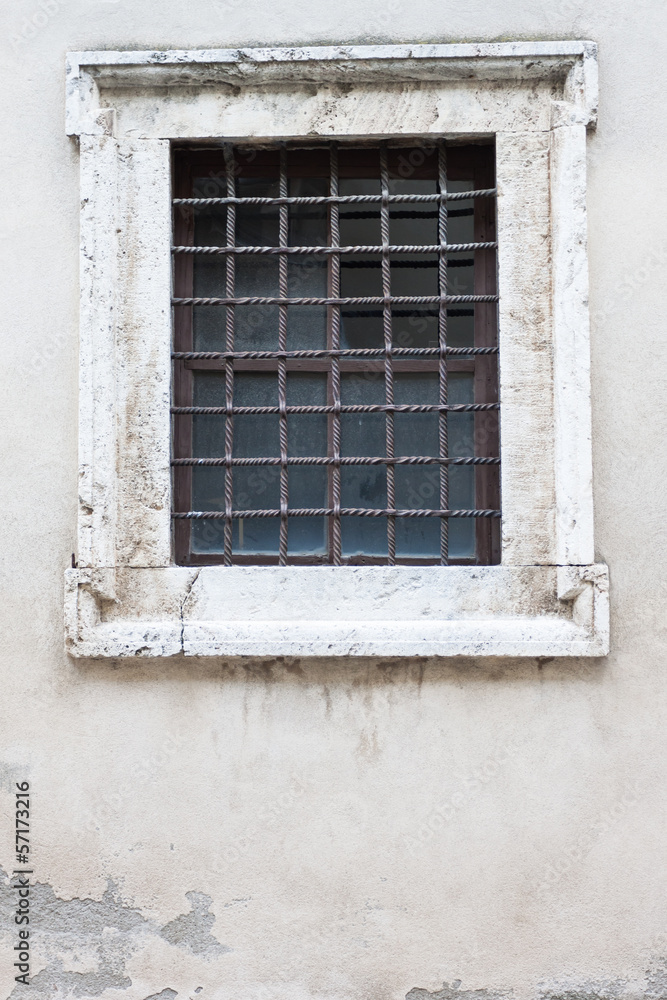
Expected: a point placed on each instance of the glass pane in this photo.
(460, 273)
(209, 275)
(413, 223)
(414, 327)
(415, 433)
(209, 330)
(364, 536)
(363, 433)
(307, 275)
(214, 185)
(307, 325)
(360, 224)
(417, 486)
(256, 328)
(306, 432)
(361, 328)
(360, 275)
(461, 435)
(256, 487)
(461, 214)
(414, 275)
(307, 536)
(308, 223)
(208, 431)
(461, 327)
(208, 441)
(363, 486)
(257, 225)
(254, 536)
(208, 536)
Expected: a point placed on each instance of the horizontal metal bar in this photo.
(350, 199)
(374, 248)
(361, 352)
(328, 460)
(200, 515)
(364, 300)
(214, 411)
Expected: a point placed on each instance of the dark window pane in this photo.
(360, 224)
(254, 536)
(413, 223)
(256, 327)
(412, 275)
(461, 214)
(361, 327)
(362, 433)
(307, 536)
(363, 536)
(307, 326)
(461, 428)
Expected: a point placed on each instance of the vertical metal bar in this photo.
(334, 264)
(282, 361)
(443, 444)
(229, 368)
(388, 366)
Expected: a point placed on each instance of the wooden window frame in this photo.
(464, 161)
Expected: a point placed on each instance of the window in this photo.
(311, 380)
(155, 129)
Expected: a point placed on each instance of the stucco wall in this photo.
(294, 830)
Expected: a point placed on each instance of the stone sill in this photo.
(348, 611)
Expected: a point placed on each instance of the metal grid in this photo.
(334, 355)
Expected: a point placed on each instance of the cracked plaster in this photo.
(101, 935)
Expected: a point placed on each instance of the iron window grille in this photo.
(311, 366)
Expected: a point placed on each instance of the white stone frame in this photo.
(127, 598)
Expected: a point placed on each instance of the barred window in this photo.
(335, 384)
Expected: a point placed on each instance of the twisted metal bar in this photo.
(333, 460)
(282, 361)
(363, 300)
(338, 408)
(361, 352)
(388, 366)
(350, 199)
(407, 248)
(334, 315)
(443, 442)
(329, 511)
(229, 368)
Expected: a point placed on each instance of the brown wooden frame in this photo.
(464, 161)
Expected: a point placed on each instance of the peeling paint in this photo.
(453, 992)
(192, 930)
(106, 933)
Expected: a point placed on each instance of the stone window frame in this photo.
(126, 596)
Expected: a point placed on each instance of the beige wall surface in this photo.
(283, 829)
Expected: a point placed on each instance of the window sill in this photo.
(506, 611)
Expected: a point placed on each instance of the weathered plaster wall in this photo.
(284, 830)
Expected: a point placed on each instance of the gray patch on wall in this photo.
(164, 995)
(102, 933)
(10, 774)
(654, 987)
(454, 993)
(193, 930)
